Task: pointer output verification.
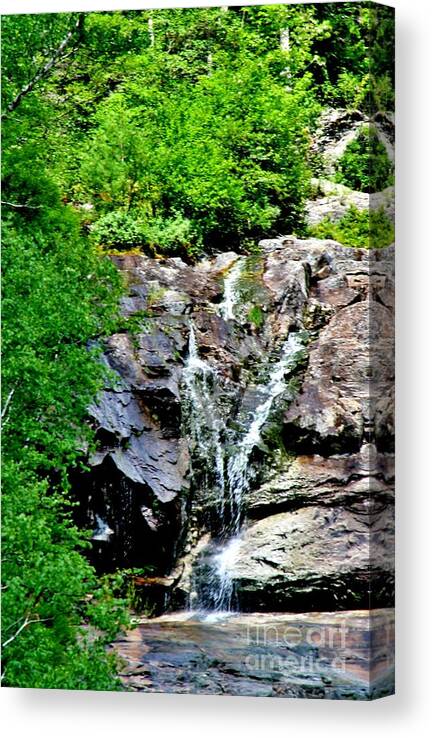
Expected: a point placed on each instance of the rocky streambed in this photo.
(344, 655)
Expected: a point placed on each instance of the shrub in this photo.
(225, 157)
(119, 230)
(173, 235)
(59, 297)
(358, 229)
(365, 165)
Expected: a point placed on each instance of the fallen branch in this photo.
(46, 68)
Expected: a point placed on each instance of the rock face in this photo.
(336, 409)
(349, 480)
(216, 428)
(338, 127)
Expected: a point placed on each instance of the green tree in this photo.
(228, 152)
(58, 295)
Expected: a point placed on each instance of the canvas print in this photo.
(197, 395)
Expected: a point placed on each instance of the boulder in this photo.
(333, 201)
(314, 558)
(345, 400)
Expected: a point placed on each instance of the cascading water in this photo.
(238, 464)
(205, 424)
(227, 474)
(226, 308)
(220, 595)
(238, 470)
(231, 472)
(102, 532)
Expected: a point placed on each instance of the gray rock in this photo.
(313, 556)
(358, 481)
(344, 399)
(334, 200)
(338, 127)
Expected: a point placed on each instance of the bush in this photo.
(57, 619)
(350, 91)
(118, 230)
(358, 229)
(225, 157)
(173, 235)
(59, 297)
(365, 165)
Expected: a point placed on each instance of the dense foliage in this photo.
(365, 229)
(177, 132)
(364, 165)
(58, 294)
(182, 131)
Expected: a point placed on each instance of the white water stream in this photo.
(206, 426)
(231, 471)
(226, 308)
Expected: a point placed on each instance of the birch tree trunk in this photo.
(47, 67)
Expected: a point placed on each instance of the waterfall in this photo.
(232, 472)
(221, 595)
(238, 463)
(226, 308)
(205, 423)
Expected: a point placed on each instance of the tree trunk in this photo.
(46, 68)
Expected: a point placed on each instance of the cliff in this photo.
(245, 449)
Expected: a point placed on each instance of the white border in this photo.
(71, 714)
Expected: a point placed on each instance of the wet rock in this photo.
(314, 558)
(345, 655)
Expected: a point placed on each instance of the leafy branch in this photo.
(58, 54)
